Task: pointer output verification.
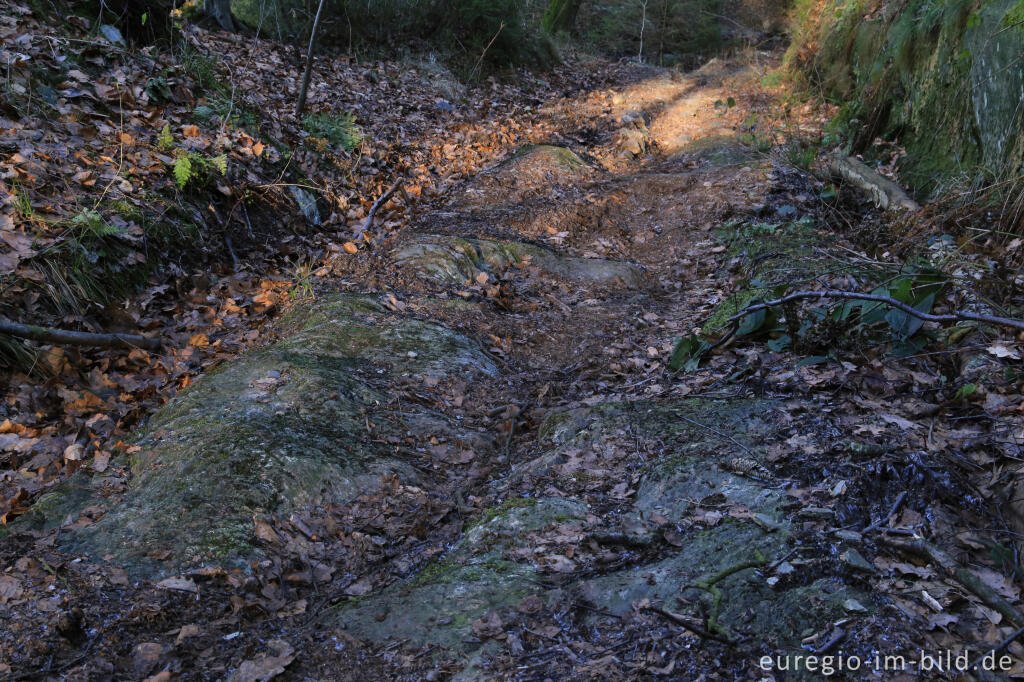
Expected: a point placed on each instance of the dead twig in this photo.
(885, 519)
(716, 432)
(888, 300)
(690, 624)
(1002, 645)
(73, 338)
(373, 211)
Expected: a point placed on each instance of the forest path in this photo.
(469, 458)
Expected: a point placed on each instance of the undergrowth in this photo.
(340, 130)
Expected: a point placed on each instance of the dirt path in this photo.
(470, 459)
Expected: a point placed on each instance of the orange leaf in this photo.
(190, 131)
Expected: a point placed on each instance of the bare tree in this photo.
(643, 23)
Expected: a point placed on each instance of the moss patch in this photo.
(278, 429)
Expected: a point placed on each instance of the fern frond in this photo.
(182, 170)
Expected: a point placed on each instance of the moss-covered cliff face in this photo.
(945, 77)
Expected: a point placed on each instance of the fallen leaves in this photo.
(179, 584)
(266, 666)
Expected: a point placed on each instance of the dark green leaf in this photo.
(813, 360)
(752, 322)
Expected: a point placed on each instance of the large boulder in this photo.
(275, 430)
(944, 78)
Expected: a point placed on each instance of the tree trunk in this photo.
(221, 11)
(301, 104)
(561, 16)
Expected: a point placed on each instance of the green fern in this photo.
(220, 163)
(183, 170)
(89, 225)
(338, 129)
(165, 141)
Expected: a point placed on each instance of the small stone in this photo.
(817, 513)
(766, 522)
(849, 535)
(785, 568)
(854, 606)
(531, 605)
(145, 657)
(854, 560)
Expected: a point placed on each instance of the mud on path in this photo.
(467, 458)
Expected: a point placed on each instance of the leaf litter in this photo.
(863, 429)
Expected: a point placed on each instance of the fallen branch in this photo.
(71, 338)
(1005, 643)
(373, 211)
(953, 569)
(884, 192)
(888, 300)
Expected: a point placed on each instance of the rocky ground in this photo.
(468, 458)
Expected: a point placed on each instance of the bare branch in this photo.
(888, 300)
(373, 210)
(72, 338)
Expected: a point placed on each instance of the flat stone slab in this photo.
(439, 605)
(492, 568)
(454, 260)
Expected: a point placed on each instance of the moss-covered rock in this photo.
(277, 429)
(774, 254)
(439, 604)
(453, 260)
(745, 600)
(943, 77)
(717, 151)
(712, 457)
(532, 171)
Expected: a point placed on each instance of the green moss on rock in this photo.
(277, 429)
